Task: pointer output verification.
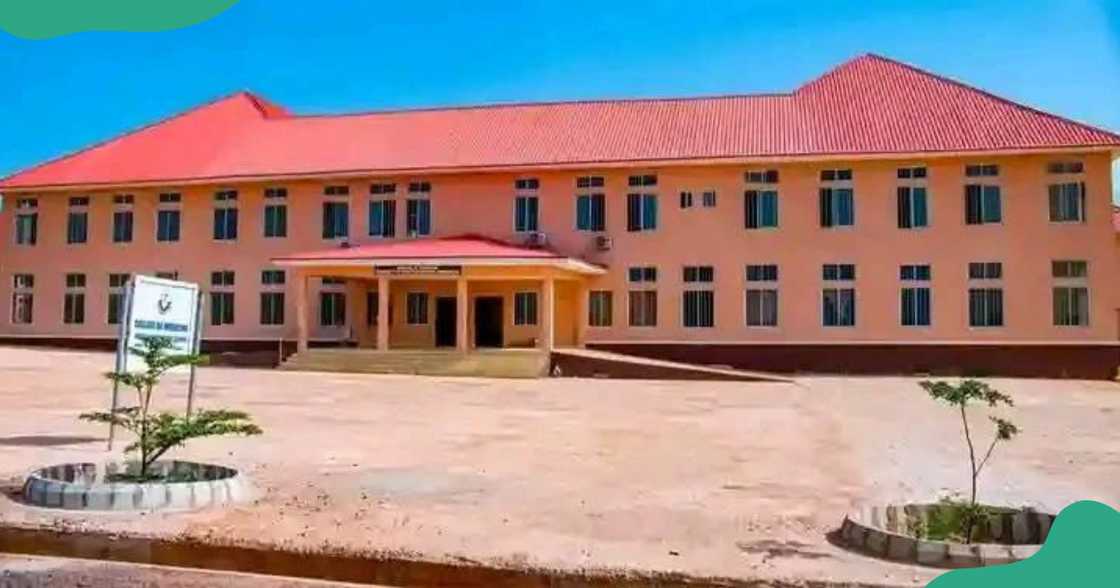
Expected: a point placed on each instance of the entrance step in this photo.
(498, 363)
(590, 363)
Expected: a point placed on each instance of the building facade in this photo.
(842, 227)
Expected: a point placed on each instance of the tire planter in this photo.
(85, 486)
(881, 531)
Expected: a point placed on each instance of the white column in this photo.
(548, 314)
(461, 318)
(301, 310)
(383, 313)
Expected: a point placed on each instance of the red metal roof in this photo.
(869, 105)
(461, 246)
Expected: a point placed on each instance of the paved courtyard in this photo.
(713, 479)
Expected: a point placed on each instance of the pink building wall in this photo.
(1025, 242)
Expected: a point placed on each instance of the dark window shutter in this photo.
(904, 213)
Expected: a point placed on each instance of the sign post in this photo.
(154, 307)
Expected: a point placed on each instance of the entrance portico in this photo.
(469, 292)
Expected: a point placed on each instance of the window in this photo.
(275, 212)
(762, 295)
(332, 308)
(599, 308)
(74, 300)
(839, 301)
(525, 214)
(837, 207)
(985, 307)
(419, 188)
(221, 297)
(525, 308)
(77, 220)
(836, 175)
(642, 181)
(1067, 202)
(336, 190)
(985, 297)
(419, 217)
(769, 176)
(913, 208)
(336, 217)
(225, 215)
(383, 188)
(643, 274)
(643, 308)
(986, 270)
(686, 199)
(982, 204)
(641, 212)
(761, 208)
(417, 303)
(981, 171)
(122, 218)
(591, 212)
(1071, 293)
(527, 184)
(709, 199)
(911, 173)
(117, 285)
(1065, 167)
(168, 217)
(27, 221)
(272, 297)
(23, 298)
(168, 275)
(383, 218)
(915, 295)
(699, 304)
(590, 182)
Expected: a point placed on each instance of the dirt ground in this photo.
(712, 479)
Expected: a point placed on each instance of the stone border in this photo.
(75, 486)
(878, 531)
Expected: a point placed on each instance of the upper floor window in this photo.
(768, 176)
(985, 270)
(686, 199)
(418, 213)
(1067, 202)
(760, 209)
(913, 208)
(526, 205)
(275, 212)
(837, 199)
(591, 204)
(708, 199)
(168, 217)
(1065, 167)
(382, 219)
(642, 274)
(336, 212)
(122, 218)
(77, 220)
(27, 221)
(641, 203)
(983, 201)
(225, 215)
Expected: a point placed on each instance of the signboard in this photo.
(160, 308)
(418, 270)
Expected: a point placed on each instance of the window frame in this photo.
(526, 308)
(608, 313)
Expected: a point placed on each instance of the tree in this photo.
(156, 434)
(960, 396)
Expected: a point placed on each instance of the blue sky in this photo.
(346, 55)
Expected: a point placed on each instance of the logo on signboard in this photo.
(164, 303)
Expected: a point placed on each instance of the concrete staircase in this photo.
(497, 363)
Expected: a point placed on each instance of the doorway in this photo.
(446, 321)
(488, 321)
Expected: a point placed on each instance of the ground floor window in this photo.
(117, 284)
(699, 308)
(417, 303)
(1071, 306)
(525, 308)
(74, 300)
(332, 309)
(762, 307)
(221, 308)
(915, 307)
(839, 307)
(599, 308)
(643, 308)
(272, 308)
(22, 304)
(985, 307)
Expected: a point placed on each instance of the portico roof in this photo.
(461, 250)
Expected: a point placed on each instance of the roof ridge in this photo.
(134, 131)
(978, 90)
(500, 105)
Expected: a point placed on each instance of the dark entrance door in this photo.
(488, 322)
(446, 322)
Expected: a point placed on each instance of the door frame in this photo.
(501, 320)
(439, 317)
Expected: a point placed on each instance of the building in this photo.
(879, 218)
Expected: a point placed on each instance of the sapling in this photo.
(960, 396)
(158, 433)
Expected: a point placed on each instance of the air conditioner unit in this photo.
(536, 239)
(603, 243)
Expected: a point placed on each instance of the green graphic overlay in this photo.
(1080, 551)
(44, 19)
